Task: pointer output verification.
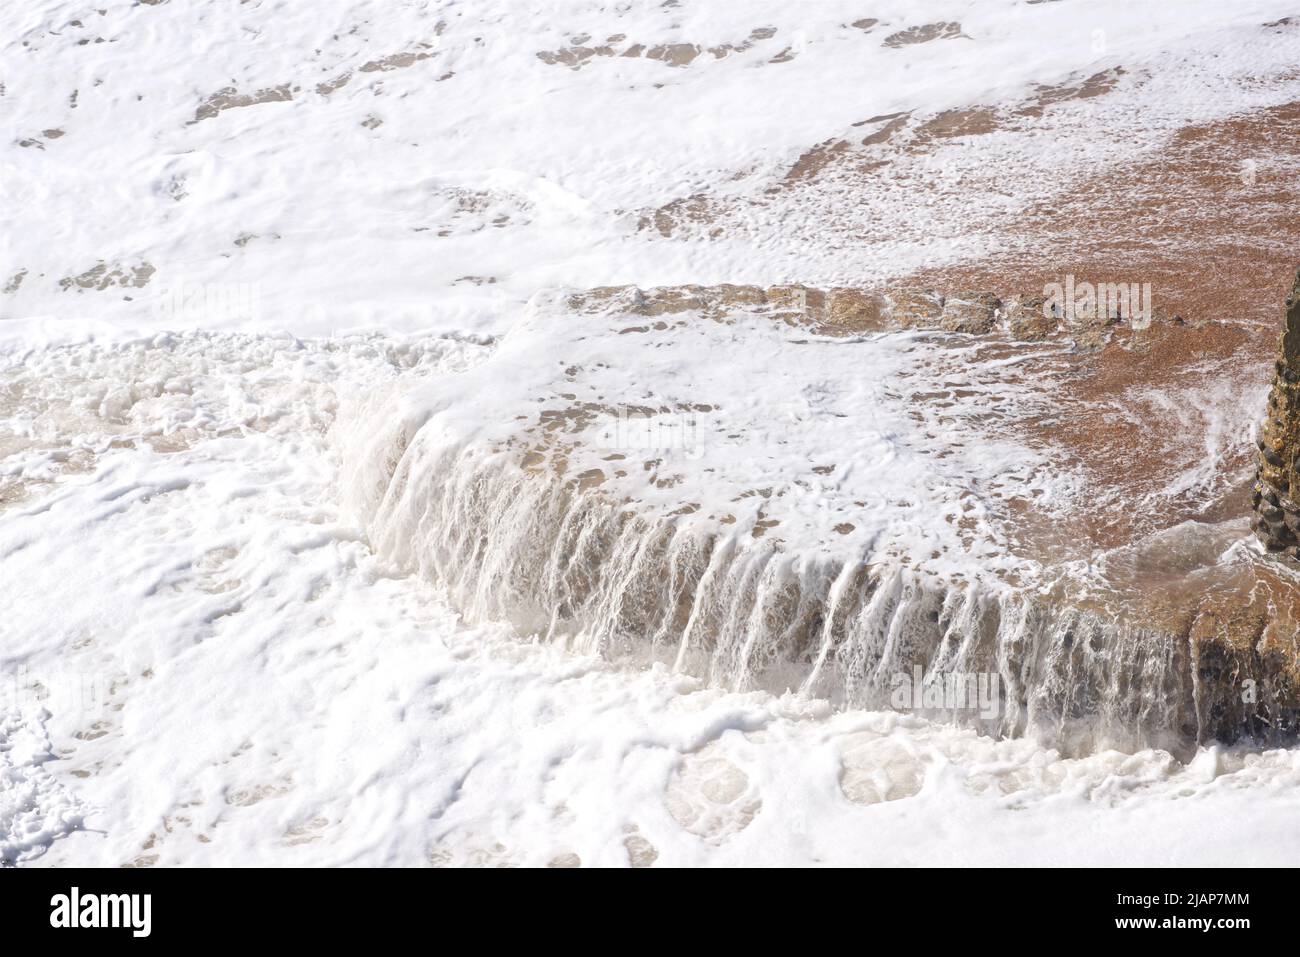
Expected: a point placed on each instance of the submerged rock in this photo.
(764, 488)
(854, 310)
(976, 313)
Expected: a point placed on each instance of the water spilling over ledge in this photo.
(825, 491)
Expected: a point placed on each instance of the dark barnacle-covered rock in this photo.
(1278, 467)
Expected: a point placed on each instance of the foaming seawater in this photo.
(1096, 659)
(223, 571)
(881, 549)
(64, 407)
(1141, 646)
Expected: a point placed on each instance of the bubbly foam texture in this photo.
(351, 718)
(369, 154)
(212, 529)
(825, 523)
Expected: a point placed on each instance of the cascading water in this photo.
(511, 520)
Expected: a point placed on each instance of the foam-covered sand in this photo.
(257, 259)
(368, 154)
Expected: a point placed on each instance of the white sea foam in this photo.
(346, 715)
(205, 657)
(535, 174)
